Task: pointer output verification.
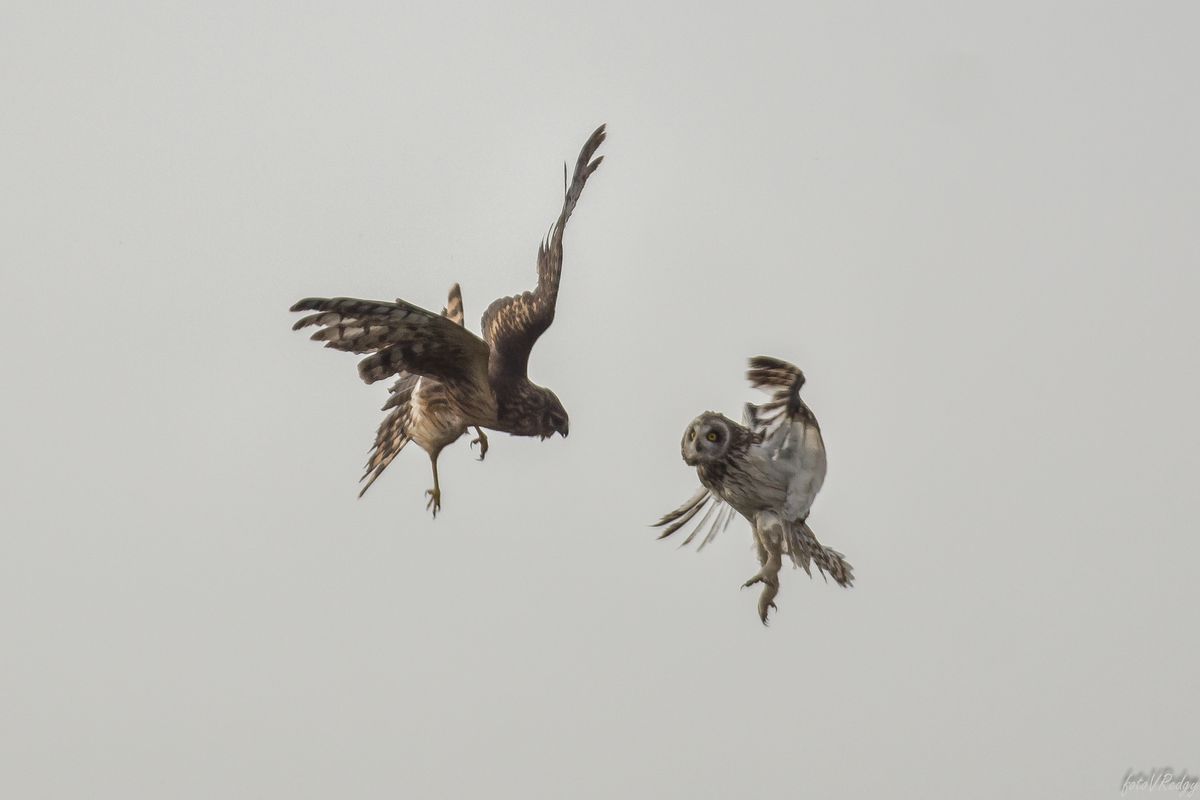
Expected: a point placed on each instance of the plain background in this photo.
(975, 229)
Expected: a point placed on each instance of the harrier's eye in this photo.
(712, 436)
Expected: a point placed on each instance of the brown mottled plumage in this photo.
(419, 411)
(450, 379)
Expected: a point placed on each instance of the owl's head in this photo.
(709, 437)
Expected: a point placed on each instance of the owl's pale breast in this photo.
(744, 482)
(782, 474)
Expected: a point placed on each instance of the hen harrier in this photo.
(449, 378)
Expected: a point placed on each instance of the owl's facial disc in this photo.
(706, 439)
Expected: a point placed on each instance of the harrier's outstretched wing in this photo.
(511, 325)
(401, 336)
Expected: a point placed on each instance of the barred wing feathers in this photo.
(400, 336)
(718, 511)
(511, 325)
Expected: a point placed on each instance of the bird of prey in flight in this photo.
(768, 469)
(449, 379)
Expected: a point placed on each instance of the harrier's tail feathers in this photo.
(390, 439)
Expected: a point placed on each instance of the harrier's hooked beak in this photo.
(563, 429)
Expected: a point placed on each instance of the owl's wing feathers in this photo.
(400, 336)
(511, 325)
(791, 432)
(683, 515)
(680, 517)
(783, 381)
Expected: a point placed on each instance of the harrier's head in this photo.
(551, 416)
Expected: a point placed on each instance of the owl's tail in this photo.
(804, 549)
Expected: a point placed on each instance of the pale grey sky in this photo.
(975, 230)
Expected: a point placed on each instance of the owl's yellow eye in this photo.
(712, 436)
(691, 435)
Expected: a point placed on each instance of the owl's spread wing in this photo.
(511, 325)
(791, 437)
(400, 336)
(783, 381)
(680, 517)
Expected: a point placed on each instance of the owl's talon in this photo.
(769, 580)
(435, 501)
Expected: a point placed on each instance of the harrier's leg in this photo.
(435, 494)
(481, 441)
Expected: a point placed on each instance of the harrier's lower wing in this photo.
(402, 338)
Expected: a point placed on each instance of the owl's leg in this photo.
(481, 441)
(435, 494)
(769, 556)
(769, 535)
(769, 574)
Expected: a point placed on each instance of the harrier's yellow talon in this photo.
(435, 501)
(482, 442)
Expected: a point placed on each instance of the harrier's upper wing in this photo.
(511, 325)
(401, 337)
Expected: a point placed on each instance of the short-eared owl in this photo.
(769, 470)
(449, 378)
